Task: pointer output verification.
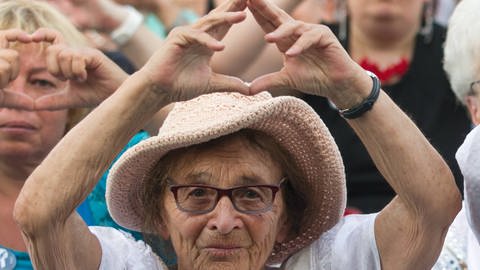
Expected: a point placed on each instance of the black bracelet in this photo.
(367, 103)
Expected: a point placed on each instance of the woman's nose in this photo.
(224, 218)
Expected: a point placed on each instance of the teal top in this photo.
(184, 17)
(155, 25)
(93, 210)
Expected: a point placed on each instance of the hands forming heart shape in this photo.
(91, 76)
(314, 62)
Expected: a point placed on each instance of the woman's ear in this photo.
(163, 230)
(473, 106)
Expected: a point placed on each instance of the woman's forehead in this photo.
(240, 178)
(231, 161)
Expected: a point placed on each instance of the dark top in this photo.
(424, 93)
(121, 61)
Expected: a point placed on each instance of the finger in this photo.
(270, 82)
(16, 100)
(272, 13)
(306, 41)
(202, 39)
(218, 24)
(223, 83)
(291, 29)
(56, 101)
(9, 66)
(265, 24)
(65, 59)
(47, 35)
(79, 69)
(13, 35)
(231, 5)
(79, 66)
(286, 34)
(52, 61)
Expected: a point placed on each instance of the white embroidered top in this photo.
(461, 249)
(349, 245)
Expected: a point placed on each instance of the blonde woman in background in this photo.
(28, 79)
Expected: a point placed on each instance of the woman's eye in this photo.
(198, 192)
(43, 84)
(251, 194)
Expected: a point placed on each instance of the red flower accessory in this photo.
(396, 70)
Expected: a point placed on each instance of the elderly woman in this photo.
(239, 181)
(462, 64)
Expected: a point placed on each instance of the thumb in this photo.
(272, 82)
(15, 100)
(224, 83)
(57, 101)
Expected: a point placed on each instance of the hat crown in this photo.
(210, 110)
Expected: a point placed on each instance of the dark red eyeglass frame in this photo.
(225, 192)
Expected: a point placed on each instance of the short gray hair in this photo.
(462, 48)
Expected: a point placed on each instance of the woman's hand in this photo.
(314, 60)
(180, 69)
(9, 68)
(92, 76)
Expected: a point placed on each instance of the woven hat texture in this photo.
(290, 121)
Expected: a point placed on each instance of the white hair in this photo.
(462, 47)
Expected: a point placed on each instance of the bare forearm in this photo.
(408, 162)
(269, 60)
(244, 43)
(141, 46)
(410, 230)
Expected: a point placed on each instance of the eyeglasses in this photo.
(472, 90)
(201, 199)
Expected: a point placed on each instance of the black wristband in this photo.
(367, 103)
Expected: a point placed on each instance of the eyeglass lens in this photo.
(204, 199)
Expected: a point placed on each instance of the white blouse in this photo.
(461, 249)
(349, 245)
(120, 251)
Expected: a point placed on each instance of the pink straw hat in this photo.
(289, 120)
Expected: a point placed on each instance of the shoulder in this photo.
(121, 251)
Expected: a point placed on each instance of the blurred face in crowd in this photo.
(386, 17)
(77, 16)
(150, 5)
(224, 238)
(32, 134)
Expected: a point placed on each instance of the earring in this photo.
(426, 29)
